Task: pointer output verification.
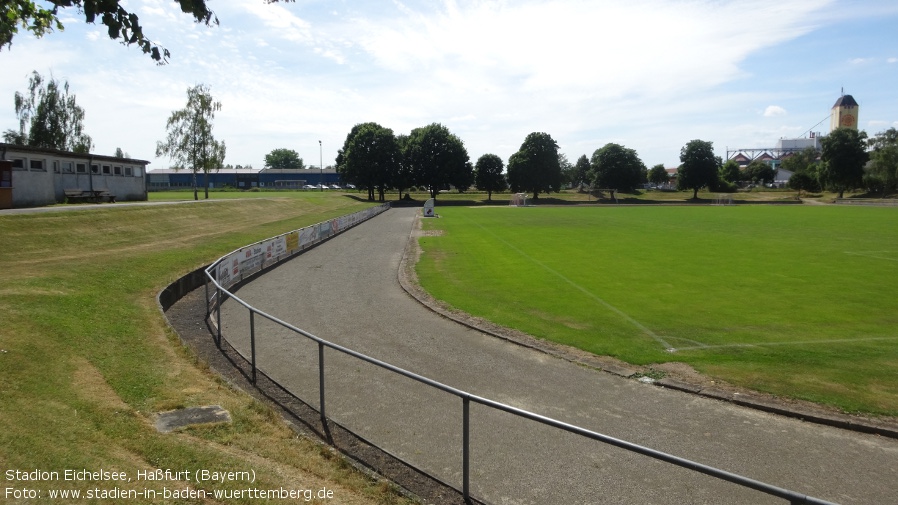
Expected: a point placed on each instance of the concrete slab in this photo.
(172, 420)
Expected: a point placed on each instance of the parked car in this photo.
(335, 186)
(309, 186)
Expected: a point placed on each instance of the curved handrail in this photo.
(792, 496)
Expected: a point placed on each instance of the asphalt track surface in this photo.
(346, 291)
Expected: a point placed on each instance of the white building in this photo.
(48, 176)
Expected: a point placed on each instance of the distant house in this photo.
(742, 160)
(46, 176)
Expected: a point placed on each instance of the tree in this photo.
(617, 168)
(883, 171)
(581, 171)
(189, 142)
(369, 158)
(49, 117)
(534, 167)
(698, 167)
(34, 17)
(568, 170)
(403, 177)
(802, 161)
(803, 181)
(488, 174)
(759, 171)
(730, 171)
(438, 158)
(283, 158)
(844, 156)
(658, 175)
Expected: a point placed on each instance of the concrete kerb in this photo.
(409, 282)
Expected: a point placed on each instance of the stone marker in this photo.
(174, 419)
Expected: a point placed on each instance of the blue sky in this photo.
(648, 74)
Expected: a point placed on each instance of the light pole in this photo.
(321, 165)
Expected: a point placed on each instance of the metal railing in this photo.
(213, 305)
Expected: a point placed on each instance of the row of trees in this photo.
(432, 157)
(374, 158)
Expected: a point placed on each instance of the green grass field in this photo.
(798, 301)
(86, 360)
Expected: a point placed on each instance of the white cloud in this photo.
(651, 74)
(774, 110)
(892, 60)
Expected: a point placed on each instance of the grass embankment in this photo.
(86, 359)
(799, 301)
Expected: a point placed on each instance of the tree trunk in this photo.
(195, 194)
(695, 193)
(489, 196)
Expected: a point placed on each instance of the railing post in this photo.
(218, 318)
(252, 340)
(321, 382)
(466, 449)
(206, 299)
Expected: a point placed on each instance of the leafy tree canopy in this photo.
(802, 161)
(581, 170)
(698, 166)
(658, 174)
(488, 174)
(883, 171)
(189, 141)
(616, 167)
(49, 117)
(534, 168)
(730, 171)
(759, 171)
(438, 158)
(283, 158)
(369, 158)
(35, 17)
(844, 155)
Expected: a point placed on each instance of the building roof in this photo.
(67, 154)
(845, 101)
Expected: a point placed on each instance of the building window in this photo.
(36, 165)
(18, 164)
(95, 169)
(117, 170)
(107, 170)
(136, 171)
(55, 166)
(129, 171)
(81, 168)
(67, 167)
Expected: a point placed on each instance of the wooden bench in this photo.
(86, 195)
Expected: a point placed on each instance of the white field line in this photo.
(801, 342)
(872, 254)
(583, 290)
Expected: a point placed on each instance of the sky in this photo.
(650, 75)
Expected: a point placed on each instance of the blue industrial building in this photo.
(241, 178)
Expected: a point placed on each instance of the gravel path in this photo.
(346, 291)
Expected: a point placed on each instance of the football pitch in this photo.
(798, 301)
